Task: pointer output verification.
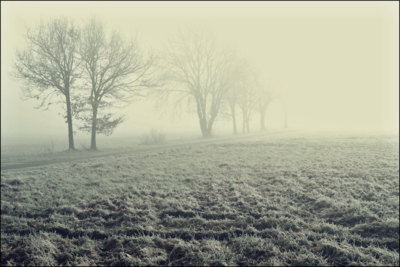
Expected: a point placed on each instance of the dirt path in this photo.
(83, 155)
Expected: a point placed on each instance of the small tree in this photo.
(115, 71)
(48, 65)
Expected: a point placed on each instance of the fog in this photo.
(335, 63)
(199, 133)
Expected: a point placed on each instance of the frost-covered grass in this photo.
(286, 201)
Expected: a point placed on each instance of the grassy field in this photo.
(278, 201)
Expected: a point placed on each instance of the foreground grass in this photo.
(287, 202)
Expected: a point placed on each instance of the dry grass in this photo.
(287, 202)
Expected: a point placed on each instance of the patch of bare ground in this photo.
(287, 202)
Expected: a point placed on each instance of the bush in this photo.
(155, 137)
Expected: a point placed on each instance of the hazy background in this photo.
(337, 62)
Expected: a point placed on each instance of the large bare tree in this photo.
(115, 70)
(48, 65)
(197, 71)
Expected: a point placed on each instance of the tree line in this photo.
(89, 71)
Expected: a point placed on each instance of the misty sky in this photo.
(337, 63)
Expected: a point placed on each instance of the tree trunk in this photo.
(210, 124)
(71, 145)
(233, 113)
(207, 133)
(203, 126)
(94, 129)
(208, 127)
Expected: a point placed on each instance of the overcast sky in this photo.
(337, 62)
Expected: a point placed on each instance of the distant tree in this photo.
(197, 71)
(232, 95)
(232, 100)
(243, 92)
(48, 65)
(247, 104)
(247, 94)
(115, 71)
(264, 99)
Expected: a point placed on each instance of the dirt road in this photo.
(32, 161)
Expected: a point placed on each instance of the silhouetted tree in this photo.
(115, 71)
(48, 65)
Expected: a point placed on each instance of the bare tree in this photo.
(197, 71)
(247, 93)
(247, 105)
(232, 100)
(232, 95)
(48, 65)
(264, 99)
(115, 71)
